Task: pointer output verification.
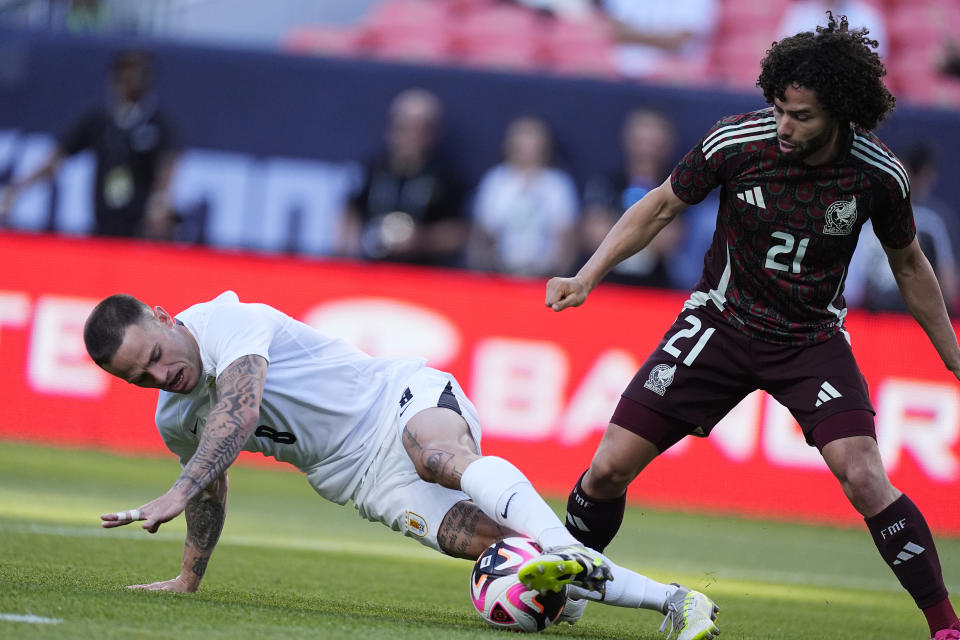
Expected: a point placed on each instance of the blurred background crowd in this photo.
(538, 205)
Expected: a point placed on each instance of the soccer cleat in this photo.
(572, 611)
(691, 615)
(574, 565)
(952, 633)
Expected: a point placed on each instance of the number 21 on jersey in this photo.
(785, 249)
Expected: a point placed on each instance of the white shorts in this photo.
(391, 492)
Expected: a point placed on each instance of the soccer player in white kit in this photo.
(398, 438)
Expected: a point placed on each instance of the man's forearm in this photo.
(924, 300)
(230, 424)
(632, 232)
(205, 515)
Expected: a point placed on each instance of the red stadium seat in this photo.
(736, 58)
(397, 14)
(580, 46)
(423, 46)
(513, 55)
(751, 16)
(914, 23)
(586, 61)
(409, 30)
(495, 24)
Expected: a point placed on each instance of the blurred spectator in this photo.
(871, 284)
(652, 35)
(409, 208)
(950, 64)
(135, 158)
(525, 211)
(805, 15)
(648, 141)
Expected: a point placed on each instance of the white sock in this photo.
(628, 589)
(504, 493)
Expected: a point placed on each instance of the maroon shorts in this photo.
(704, 366)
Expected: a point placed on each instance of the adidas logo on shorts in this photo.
(827, 393)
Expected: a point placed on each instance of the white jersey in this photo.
(326, 405)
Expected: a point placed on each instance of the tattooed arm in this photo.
(205, 514)
(232, 420)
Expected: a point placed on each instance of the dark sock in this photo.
(941, 616)
(594, 522)
(906, 545)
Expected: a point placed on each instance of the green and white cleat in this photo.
(575, 565)
(572, 611)
(691, 614)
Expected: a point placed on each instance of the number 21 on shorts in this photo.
(684, 336)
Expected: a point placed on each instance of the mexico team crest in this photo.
(840, 217)
(661, 377)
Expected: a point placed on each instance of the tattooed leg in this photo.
(466, 531)
(440, 446)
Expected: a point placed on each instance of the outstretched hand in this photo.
(163, 509)
(565, 292)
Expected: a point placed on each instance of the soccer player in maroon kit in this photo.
(798, 180)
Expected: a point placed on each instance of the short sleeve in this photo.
(893, 221)
(695, 176)
(234, 331)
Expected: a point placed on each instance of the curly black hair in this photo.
(837, 63)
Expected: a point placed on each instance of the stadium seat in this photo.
(516, 55)
(425, 46)
(502, 36)
(581, 46)
(408, 30)
(751, 16)
(736, 58)
(593, 61)
(398, 14)
(914, 23)
(495, 24)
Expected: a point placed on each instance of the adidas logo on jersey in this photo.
(827, 393)
(910, 550)
(753, 196)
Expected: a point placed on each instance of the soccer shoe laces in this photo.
(691, 615)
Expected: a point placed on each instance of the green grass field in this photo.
(290, 565)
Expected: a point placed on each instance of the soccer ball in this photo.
(499, 596)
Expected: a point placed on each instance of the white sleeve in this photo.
(237, 330)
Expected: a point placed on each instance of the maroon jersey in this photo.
(786, 231)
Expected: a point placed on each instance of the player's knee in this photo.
(866, 486)
(608, 478)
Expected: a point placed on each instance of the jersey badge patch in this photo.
(661, 377)
(415, 524)
(840, 217)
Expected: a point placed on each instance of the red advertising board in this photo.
(545, 383)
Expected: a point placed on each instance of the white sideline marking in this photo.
(16, 617)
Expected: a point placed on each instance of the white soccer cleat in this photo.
(691, 614)
(572, 611)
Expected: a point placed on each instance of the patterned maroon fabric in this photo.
(786, 231)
